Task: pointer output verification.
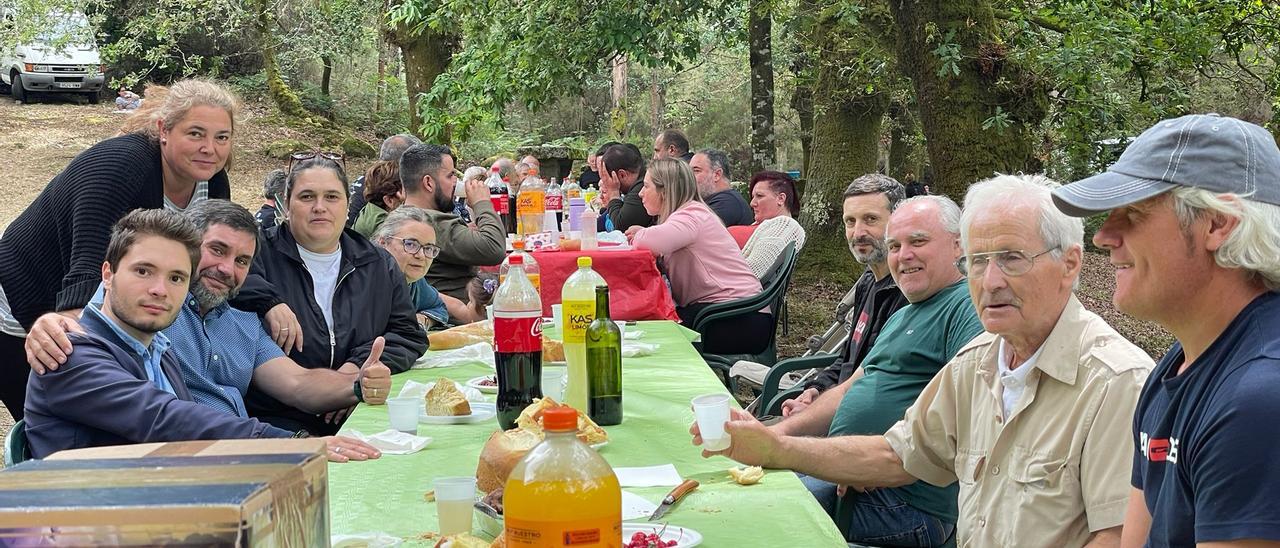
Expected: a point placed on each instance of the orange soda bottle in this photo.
(562, 494)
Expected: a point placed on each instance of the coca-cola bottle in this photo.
(498, 195)
(555, 203)
(517, 342)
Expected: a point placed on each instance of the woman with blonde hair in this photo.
(172, 152)
(701, 259)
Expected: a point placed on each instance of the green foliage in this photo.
(531, 52)
(949, 57)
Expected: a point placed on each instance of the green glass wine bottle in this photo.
(604, 364)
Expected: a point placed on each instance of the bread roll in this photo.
(500, 454)
(445, 400)
(463, 335)
(552, 350)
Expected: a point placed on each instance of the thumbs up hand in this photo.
(375, 378)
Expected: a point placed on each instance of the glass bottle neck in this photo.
(602, 304)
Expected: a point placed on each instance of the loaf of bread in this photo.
(500, 454)
(463, 335)
(530, 419)
(445, 400)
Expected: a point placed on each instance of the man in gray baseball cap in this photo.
(1193, 231)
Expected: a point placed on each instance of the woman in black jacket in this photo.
(173, 152)
(343, 290)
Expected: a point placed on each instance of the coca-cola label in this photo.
(498, 201)
(554, 203)
(515, 332)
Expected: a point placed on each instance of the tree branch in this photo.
(1047, 23)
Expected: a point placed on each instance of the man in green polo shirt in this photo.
(923, 240)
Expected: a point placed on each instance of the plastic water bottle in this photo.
(589, 229)
(554, 203)
(530, 205)
(578, 302)
(571, 188)
(576, 207)
(517, 343)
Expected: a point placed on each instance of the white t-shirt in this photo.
(324, 278)
(1014, 381)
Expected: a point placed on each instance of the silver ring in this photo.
(284, 328)
(375, 391)
(337, 450)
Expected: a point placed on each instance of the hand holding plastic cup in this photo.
(454, 499)
(404, 414)
(711, 412)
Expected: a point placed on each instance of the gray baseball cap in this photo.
(1216, 153)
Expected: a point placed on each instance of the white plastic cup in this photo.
(454, 499)
(488, 311)
(554, 378)
(404, 414)
(557, 314)
(711, 412)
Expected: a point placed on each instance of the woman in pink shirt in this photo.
(701, 260)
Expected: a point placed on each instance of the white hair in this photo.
(1058, 231)
(1254, 245)
(475, 172)
(948, 211)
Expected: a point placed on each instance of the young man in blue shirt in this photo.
(221, 350)
(1193, 231)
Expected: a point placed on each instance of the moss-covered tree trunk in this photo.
(963, 78)
(846, 138)
(284, 98)
(764, 150)
(903, 157)
(427, 55)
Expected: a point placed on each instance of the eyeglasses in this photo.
(305, 155)
(1013, 262)
(412, 247)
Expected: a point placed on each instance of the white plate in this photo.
(491, 389)
(472, 394)
(480, 412)
(683, 536)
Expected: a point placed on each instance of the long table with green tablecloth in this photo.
(387, 494)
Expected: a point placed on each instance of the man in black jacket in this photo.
(868, 201)
(620, 184)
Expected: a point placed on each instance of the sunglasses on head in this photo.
(305, 155)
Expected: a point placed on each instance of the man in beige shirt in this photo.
(1032, 417)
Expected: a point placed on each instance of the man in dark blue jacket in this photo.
(121, 385)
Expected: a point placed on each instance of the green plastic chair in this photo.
(16, 449)
(773, 295)
(769, 403)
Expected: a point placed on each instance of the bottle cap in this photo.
(516, 260)
(518, 244)
(560, 419)
(584, 262)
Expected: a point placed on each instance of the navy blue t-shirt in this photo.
(1205, 439)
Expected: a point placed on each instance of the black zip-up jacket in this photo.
(874, 302)
(370, 300)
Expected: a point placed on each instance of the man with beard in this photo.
(221, 350)
(123, 384)
(429, 178)
(868, 201)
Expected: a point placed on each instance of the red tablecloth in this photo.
(636, 289)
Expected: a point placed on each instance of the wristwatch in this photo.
(358, 391)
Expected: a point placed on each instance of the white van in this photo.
(54, 64)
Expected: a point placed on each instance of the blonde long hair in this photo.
(674, 181)
(171, 105)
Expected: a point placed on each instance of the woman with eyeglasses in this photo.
(408, 235)
(383, 193)
(342, 290)
(172, 152)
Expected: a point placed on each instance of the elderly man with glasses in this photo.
(1031, 418)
